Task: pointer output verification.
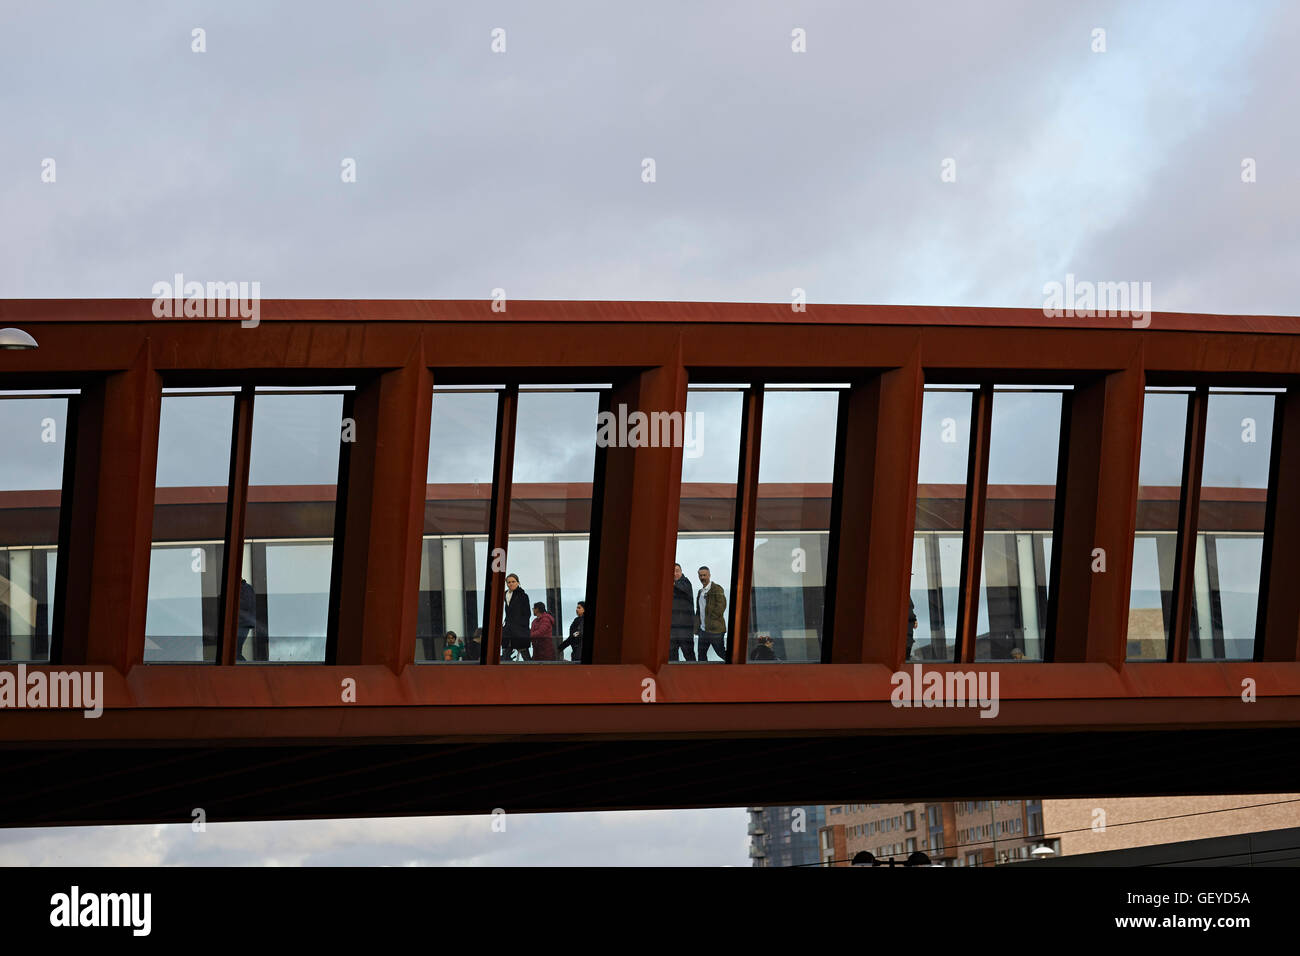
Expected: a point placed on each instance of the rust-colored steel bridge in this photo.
(369, 729)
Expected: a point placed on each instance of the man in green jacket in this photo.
(710, 617)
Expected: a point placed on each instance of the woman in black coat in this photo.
(515, 635)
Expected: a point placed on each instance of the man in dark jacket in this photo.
(515, 635)
(681, 631)
(576, 630)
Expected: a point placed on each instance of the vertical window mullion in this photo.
(977, 477)
(236, 505)
(742, 561)
(499, 521)
(1188, 508)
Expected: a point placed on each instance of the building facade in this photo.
(785, 836)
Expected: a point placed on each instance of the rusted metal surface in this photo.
(120, 356)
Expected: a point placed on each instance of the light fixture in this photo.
(16, 339)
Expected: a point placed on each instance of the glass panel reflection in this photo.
(940, 522)
(795, 471)
(1024, 443)
(706, 522)
(32, 436)
(462, 441)
(550, 524)
(1230, 526)
(1155, 546)
(287, 558)
(189, 526)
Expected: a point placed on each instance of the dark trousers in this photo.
(714, 641)
(684, 644)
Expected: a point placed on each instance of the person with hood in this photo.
(681, 629)
(576, 631)
(542, 633)
(515, 634)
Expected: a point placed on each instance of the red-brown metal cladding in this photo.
(386, 484)
(124, 516)
(1100, 502)
(115, 350)
(972, 557)
(80, 504)
(642, 486)
(742, 552)
(1280, 638)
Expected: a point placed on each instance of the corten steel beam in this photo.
(972, 555)
(86, 342)
(742, 542)
(1278, 638)
(385, 515)
(1100, 511)
(241, 443)
(1193, 460)
(494, 575)
(124, 516)
(881, 445)
(635, 564)
(75, 572)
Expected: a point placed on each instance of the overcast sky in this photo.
(523, 170)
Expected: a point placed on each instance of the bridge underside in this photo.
(46, 786)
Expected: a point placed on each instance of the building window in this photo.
(792, 520)
(454, 568)
(550, 517)
(33, 434)
(706, 518)
(191, 504)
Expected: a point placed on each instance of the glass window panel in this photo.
(32, 436)
(555, 460)
(1024, 443)
(458, 498)
(792, 525)
(1230, 526)
(1155, 547)
(287, 558)
(940, 523)
(182, 622)
(706, 517)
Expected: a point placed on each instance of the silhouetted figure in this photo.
(763, 649)
(911, 626)
(516, 634)
(681, 630)
(474, 647)
(247, 618)
(577, 630)
(711, 616)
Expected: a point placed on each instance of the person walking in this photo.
(576, 631)
(516, 634)
(710, 616)
(681, 630)
(542, 634)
